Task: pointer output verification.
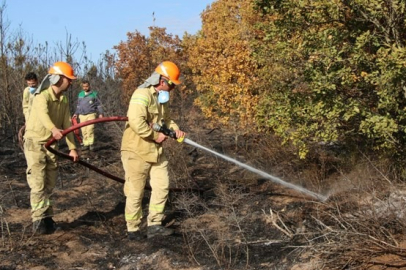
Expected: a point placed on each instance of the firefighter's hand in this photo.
(57, 133)
(180, 134)
(161, 137)
(74, 116)
(74, 154)
(100, 115)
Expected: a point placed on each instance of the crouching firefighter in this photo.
(48, 117)
(142, 153)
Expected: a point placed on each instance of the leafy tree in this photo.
(335, 72)
(222, 67)
(139, 56)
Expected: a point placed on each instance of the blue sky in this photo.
(101, 24)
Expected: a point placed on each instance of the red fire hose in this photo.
(90, 166)
(76, 131)
(81, 162)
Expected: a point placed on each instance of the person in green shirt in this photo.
(88, 107)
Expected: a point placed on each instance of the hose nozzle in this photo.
(165, 130)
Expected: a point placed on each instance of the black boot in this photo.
(39, 227)
(135, 236)
(156, 230)
(50, 225)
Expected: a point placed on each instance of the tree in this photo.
(335, 71)
(15, 61)
(18, 56)
(222, 67)
(139, 56)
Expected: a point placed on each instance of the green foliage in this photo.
(311, 71)
(335, 72)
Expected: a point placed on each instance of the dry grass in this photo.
(6, 239)
(219, 229)
(241, 221)
(363, 219)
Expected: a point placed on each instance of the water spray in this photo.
(168, 132)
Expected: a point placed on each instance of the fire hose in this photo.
(90, 166)
(82, 162)
(76, 131)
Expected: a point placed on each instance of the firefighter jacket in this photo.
(88, 103)
(27, 101)
(143, 111)
(47, 112)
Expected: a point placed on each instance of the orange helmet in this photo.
(170, 70)
(62, 68)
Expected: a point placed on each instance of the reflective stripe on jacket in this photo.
(143, 111)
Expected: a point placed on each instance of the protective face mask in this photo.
(32, 89)
(163, 97)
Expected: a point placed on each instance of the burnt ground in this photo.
(225, 217)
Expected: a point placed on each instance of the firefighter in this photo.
(28, 94)
(88, 107)
(142, 153)
(48, 117)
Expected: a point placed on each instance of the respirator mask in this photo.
(32, 90)
(163, 96)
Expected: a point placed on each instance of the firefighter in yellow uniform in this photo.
(142, 154)
(48, 117)
(28, 94)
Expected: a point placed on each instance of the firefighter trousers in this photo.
(87, 131)
(136, 173)
(42, 172)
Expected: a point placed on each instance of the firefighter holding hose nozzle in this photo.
(142, 153)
